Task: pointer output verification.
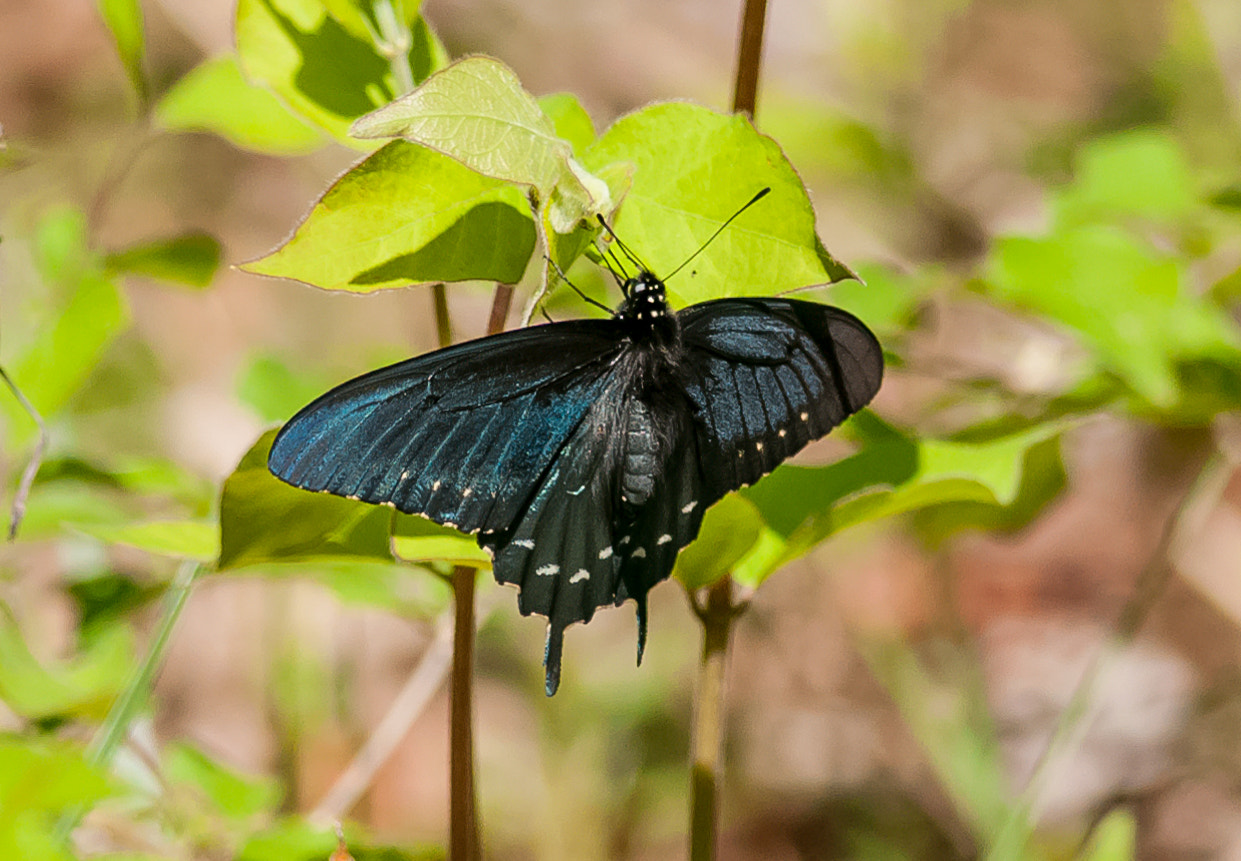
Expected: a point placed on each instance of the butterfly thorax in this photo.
(645, 311)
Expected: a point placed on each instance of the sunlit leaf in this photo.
(1140, 174)
(796, 507)
(40, 779)
(215, 97)
(234, 795)
(569, 119)
(1127, 302)
(264, 521)
(183, 539)
(416, 539)
(124, 20)
(190, 259)
(325, 60)
(407, 215)
(693, 168)
(84, 685)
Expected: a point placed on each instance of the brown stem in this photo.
(717, 616)
(463, 843)
(463, 822)
(749, 57)
(443, 325)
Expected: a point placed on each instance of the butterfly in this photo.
(583, 454)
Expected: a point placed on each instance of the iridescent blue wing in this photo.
(465, 435)
(762, 378)
(507, 437)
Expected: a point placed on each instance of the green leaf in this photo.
(693, 168)
(1113, 839)
(190, 259)
(729, 531)
(39, 779)
(182, 539)
(84, 685)
(942, 702)
(237, 796)
(407, 215)
(270, 388)
(569, 119)
(1128, 303)
(1136, 174)
(298, 840)
(331, 61)
(64, 354)
(215, 97)
(124, 20)
(796, 507)
(477, 112)
(416, 539)
(67, 343)
(884, 298)
(264, 521)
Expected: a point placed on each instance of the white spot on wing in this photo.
(450, 524)
(582, 574)
(605, 552)
(624, 540)
(524, 542)
(664, 539)
(805, 417)
(783, 432)
(436, 486)
(640, 553)
(687, 508)
(758, 446)
(547, 570)
(470, 490)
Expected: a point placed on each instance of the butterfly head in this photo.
(646, 303)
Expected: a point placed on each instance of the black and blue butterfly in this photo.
(583, 454)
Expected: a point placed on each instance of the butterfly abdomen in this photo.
(641, 460)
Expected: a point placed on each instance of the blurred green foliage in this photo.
(1138, 204)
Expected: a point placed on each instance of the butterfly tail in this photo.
(552, 652)
(641, 627)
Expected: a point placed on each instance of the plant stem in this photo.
(749, 57)
(463, 842)
(717, 617)
(718, 612)
(134, 696)
(463, 822)
(18, 509)
(443, 325)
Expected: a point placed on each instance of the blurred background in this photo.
(874, 686)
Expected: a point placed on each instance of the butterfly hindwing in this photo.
(767, 376)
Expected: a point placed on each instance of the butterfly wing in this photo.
(768, 376)
(510, 437)
(762, 378)
(463, 435)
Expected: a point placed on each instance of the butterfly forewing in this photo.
(469, 455)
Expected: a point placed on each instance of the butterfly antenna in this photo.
(753, 200)
(612, 264)
(565, 279)
(633, 258)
